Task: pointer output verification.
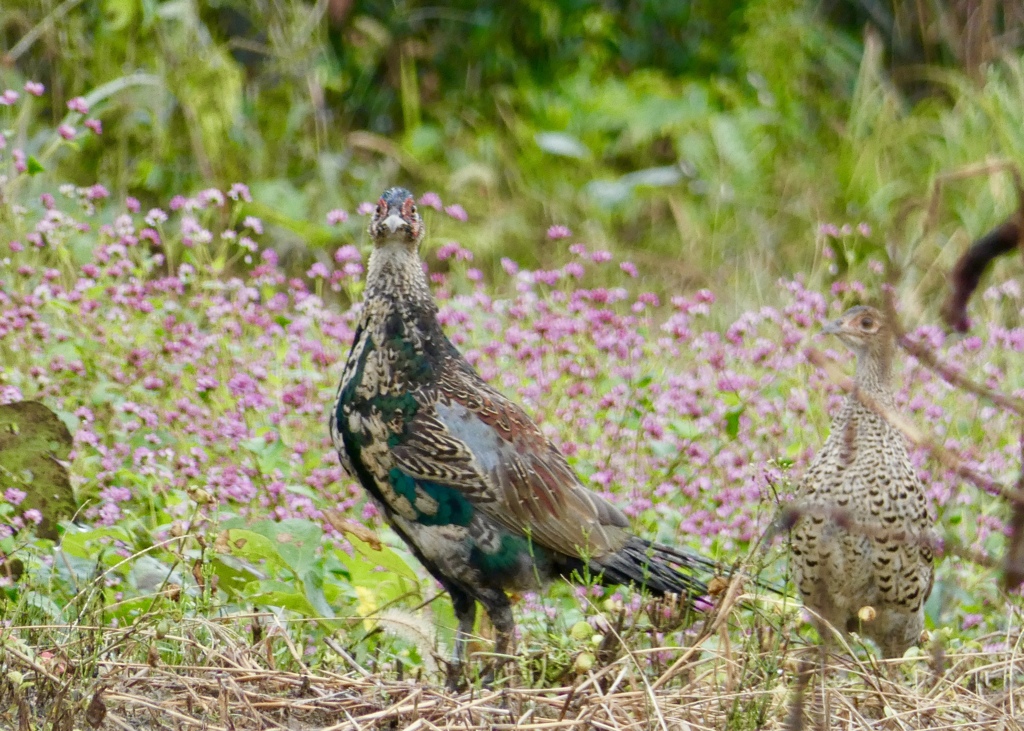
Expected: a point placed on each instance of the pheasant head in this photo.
(395, 271)
(866, 332)
(396, 220)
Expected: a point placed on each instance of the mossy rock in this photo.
(34, 444)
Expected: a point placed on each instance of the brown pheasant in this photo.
(863, 536)
(462, 474)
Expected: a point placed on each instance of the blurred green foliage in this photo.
(709, 138)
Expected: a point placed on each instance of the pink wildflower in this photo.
(457, 212)
(78, 104)
(240, 191)
(431, 200)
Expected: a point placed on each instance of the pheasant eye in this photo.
(382, 207)
(867, 322)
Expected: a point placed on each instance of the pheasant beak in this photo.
(393, 222)
(833, 328)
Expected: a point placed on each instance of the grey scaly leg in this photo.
(499, 609)
(465, 611)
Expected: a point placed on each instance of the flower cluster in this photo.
(181, 376)
(187, 358)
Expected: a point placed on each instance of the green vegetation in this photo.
(709, 144)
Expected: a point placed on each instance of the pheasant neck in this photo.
(395, 273)
(874, 374)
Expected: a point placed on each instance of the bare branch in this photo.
(971, 266)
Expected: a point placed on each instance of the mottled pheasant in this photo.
(468, 481)
(863, 536)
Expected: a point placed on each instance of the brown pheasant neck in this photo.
(874, 371)
(396, 273)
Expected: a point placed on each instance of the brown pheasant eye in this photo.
(867, 322)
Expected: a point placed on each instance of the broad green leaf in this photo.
(128, 609)
(295, 540)
(106, 392)
(561, 144)
(232, 575)
(304, 490)
(664, 449)
(312, 581)
(365, 560)
(119, 14)
(255, 548)
(281, 594)
(608, 193)
(46, 605)
(148, 574)
(383, 572)
(732, 422)
(686, 429)
(658, 177)
(90, 544)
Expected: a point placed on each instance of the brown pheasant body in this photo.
(462, 474)
(863, 539)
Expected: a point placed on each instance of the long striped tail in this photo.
(658, 568)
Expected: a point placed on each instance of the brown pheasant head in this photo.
(866, 332)
(396, 219)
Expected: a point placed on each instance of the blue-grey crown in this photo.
(395, 196)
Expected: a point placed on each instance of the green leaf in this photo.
(312, 582)
(384, 572)
(281, 594)
(268, 456)
(233, 576)
(34, 166)
(46, 605)
(255, 548)
(658, 177)
(663, 449)
(106, 392)
(296, 541)
(686, 429)
(89, 544)
(732, 422)
(33, 444)
(149, 574)
(561, 144)
(119, 13)
(366, 560)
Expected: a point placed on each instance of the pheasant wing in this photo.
(475, 440)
